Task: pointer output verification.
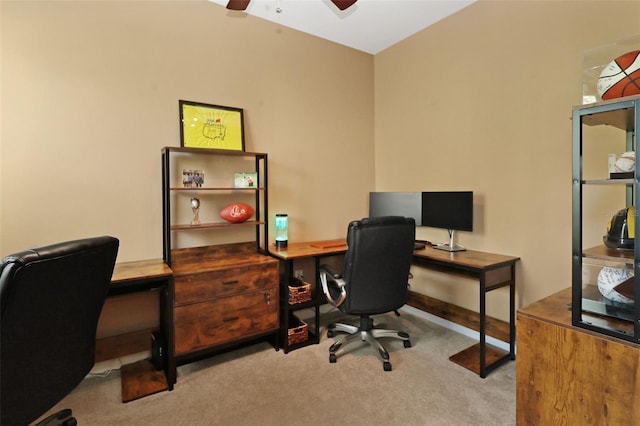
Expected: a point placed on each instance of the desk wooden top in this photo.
(469, 258)
(310, 249)
(141, 269)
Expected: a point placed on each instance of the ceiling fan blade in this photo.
(238, 4)
(343, 4)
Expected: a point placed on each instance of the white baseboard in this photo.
(102, 368)
(455, 327)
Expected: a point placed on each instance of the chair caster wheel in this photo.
(407, 343)
(332, 358)
(330, 333)
(387, 366)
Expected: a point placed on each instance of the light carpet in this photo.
(257, 385)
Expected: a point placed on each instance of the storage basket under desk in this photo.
(298, 330)
(298, 291)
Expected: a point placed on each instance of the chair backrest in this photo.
(50, 300)
(376, 264)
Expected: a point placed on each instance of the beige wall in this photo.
(482, 101)
(479, 101)
(90, 95)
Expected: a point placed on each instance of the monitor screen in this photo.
(407, 204)
(448, 209)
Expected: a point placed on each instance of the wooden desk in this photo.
(141, 378)
(493, 271)
(316, 250)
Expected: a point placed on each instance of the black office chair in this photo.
(50, 299)
(374, 280)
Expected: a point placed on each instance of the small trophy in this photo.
(195, 206)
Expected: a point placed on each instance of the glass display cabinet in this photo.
(605, 268)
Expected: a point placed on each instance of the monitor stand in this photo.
(451, 245)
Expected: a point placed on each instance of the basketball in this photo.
(621, 77)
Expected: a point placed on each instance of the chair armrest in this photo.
(331, 278)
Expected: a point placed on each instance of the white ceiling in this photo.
(369, 25)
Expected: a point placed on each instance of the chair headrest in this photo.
(13, 262)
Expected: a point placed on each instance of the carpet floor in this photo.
(256, 385)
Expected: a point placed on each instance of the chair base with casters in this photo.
(61, 418)
(366, 332)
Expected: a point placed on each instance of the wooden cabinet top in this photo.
(556, 309)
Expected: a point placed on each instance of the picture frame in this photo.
(192, 178)
(246, 180)
(211, 126)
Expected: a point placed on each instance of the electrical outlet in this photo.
(298, 273)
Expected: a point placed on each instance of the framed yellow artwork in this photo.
(211, 126)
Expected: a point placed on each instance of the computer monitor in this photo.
(407, 204)
(450, 210)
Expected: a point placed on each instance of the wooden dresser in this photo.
(224, 295)
(570, 376)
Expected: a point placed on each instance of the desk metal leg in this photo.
(482, 358)
(512, 313)
(483, 327)
(288, 273)
(166, 328)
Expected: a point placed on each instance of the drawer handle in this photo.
(267, 297)
(234, 282)
(230, 319)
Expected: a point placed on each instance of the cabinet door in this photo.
(214, 322)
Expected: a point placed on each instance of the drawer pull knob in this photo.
(267, 298)
(234, 282)
(230, 319)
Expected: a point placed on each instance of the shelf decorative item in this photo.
(612, 283)
(282, 230)
(621, 77)
(594, 64)
(211, 126)
(246, 180)
(195, 207)
(192, 178)
(237, 212)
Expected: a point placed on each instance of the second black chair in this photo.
(374, 280)
(51, 298)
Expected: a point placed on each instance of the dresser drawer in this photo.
(205, 285)
(214, 322)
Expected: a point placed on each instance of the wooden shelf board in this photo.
(470, 358)
(141, 379)
(214, 225)
(179, 188)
